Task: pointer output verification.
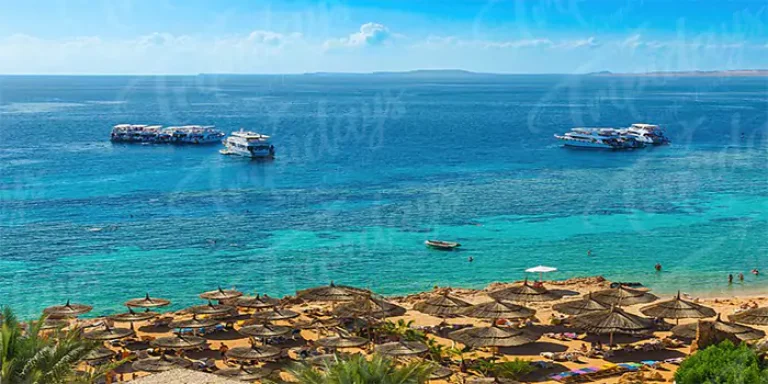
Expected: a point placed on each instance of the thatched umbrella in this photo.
(67, 310)
(442, 305)
(580, 306)
(327, 359)
(499, 309)
(440, 373)
(194, 322)
(248, 374)
(100, 353)
(178, 342)
(257, 302)
(211, 309)
(221, 294)
(254, 352)
(148, 302)
(402, 348)
(754, 316)
(332, 293)
(266, 330)
(131, 316)
(742, 332)
(613, 320)
(161, 364)
(50, 324)
(525, 293)
(623, 296)
(109, 333)
(493, 336)
(342, 342)
(369, 307)
(275, 314)
(677, 308)
(316, 323)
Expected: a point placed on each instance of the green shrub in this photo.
(723, 363)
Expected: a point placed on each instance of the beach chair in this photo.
(651, 364)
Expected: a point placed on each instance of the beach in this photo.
(535, 351)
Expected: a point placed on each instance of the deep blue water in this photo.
(368, 167)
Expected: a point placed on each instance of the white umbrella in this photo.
(541, 270)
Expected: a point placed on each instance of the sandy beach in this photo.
(536, 351)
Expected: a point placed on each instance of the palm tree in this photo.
(358, 370)
(32, 358)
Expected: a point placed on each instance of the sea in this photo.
(367, 168)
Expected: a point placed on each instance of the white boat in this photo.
(156, 134)
(648, 133)
(248, 144)
(599, 138)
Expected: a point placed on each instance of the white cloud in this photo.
(370, 34)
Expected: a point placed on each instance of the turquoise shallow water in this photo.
(367, 169)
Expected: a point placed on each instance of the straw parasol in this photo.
(493, 336)
(442, 305)
(67, 310)
(109, 333)
(265, 330)
(440, 373)
(580, 306)
(275, 314)
(257, 302)
(342, 342)
(147, 302)
(254, 352)
(316, 323)
(525, 293)
(742, 332)
(100, 353)
(754, 316)
(194, 322)
(369, 307)
(332, 293)
(211, 309)
(131, 316)
(623, 296)
(242, 373)
(50, 324)
(402, 348)
(677, 308)
(178, 342)
(613, 320)
(220, 294)
(498, 309)
(161, 364)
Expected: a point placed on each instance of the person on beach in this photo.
(223, 350)
(730, 278)
(658, 267)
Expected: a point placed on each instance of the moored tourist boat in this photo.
(248, 144)
(156, 134)
(649, 133)
(443, 245)
(594, 138)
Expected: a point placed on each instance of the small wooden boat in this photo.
(444, 245)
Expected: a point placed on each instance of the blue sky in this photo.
(251, 36)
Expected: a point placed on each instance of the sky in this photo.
(267, 37)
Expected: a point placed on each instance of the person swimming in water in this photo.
(471, 259)
(589, 252)
(755, 272)
(741, 277)
(730, 278)
(658, 267)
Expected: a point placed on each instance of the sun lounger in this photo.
(651, 363)
(675, 361)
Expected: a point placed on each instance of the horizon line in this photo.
(452, 71)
